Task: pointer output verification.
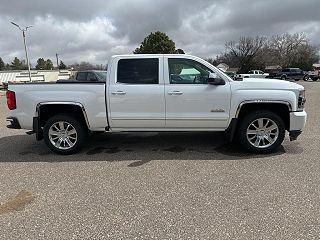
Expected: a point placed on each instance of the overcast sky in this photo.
(94, 30)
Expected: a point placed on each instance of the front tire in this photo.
(64, 134)
(261, 131)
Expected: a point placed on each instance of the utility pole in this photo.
(25, 45)
(57, 57)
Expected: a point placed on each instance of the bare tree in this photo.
(245, 51)
(286, 46)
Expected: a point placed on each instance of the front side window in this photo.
(187, 71)
(138, 71)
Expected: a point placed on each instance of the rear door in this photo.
(136, 93)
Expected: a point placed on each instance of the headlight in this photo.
(301, 99)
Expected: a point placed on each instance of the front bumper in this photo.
(13, 123)
(297, 123)
(297, 120)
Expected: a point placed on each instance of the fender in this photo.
(231, 130)
(37, 129)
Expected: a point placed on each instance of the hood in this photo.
(266, 83)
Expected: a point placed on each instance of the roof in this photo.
(152, 55)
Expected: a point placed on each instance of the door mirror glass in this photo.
(214, 79)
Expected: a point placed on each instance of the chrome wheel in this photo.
(63, 135)
(262, 133)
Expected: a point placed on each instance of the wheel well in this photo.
(280, 109)
(47, 111)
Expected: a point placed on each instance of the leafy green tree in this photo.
(2, 65)
(49, 65)
(41, 64)
(62, 65)
(44, 64)
(17, 64)
(157, 42)
(180, 51)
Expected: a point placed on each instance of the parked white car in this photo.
(254, 74)
(159, 93)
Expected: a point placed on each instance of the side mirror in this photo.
(214, 79)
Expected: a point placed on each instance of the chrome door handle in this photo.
(175, 93)
(118, 93)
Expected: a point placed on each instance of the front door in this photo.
(191, 103)
(136, 94)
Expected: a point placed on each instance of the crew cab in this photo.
(159, 93)
(292, 73)
(254, 74)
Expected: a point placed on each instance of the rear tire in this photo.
(283, 78)
(306, 78)
(261, 131)
(64, 134)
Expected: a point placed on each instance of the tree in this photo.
(293, 50)
(44, 64)
(16, 64)
(157, 42)
(214, 62)
(49, 65)
(41, 64)
(306, 55)
(62, 65)
(82, 66)
(2, 65)
(180, 51)
(245, 51)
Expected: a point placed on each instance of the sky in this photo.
(94, 30)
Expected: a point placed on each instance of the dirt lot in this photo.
(161, 186)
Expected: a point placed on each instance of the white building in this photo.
(36, 75)
(223, 67)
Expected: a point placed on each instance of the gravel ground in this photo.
(161, 186)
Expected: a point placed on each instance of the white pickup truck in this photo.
(159, 93)
(253, 74)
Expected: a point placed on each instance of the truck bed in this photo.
(91, 95)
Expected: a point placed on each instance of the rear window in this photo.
(81, 76)
(138, 71)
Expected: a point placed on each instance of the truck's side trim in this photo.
(64, 103)
(261, 101)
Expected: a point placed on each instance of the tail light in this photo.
(11, 100)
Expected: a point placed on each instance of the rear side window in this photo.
(138, 71)
(82, 76)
